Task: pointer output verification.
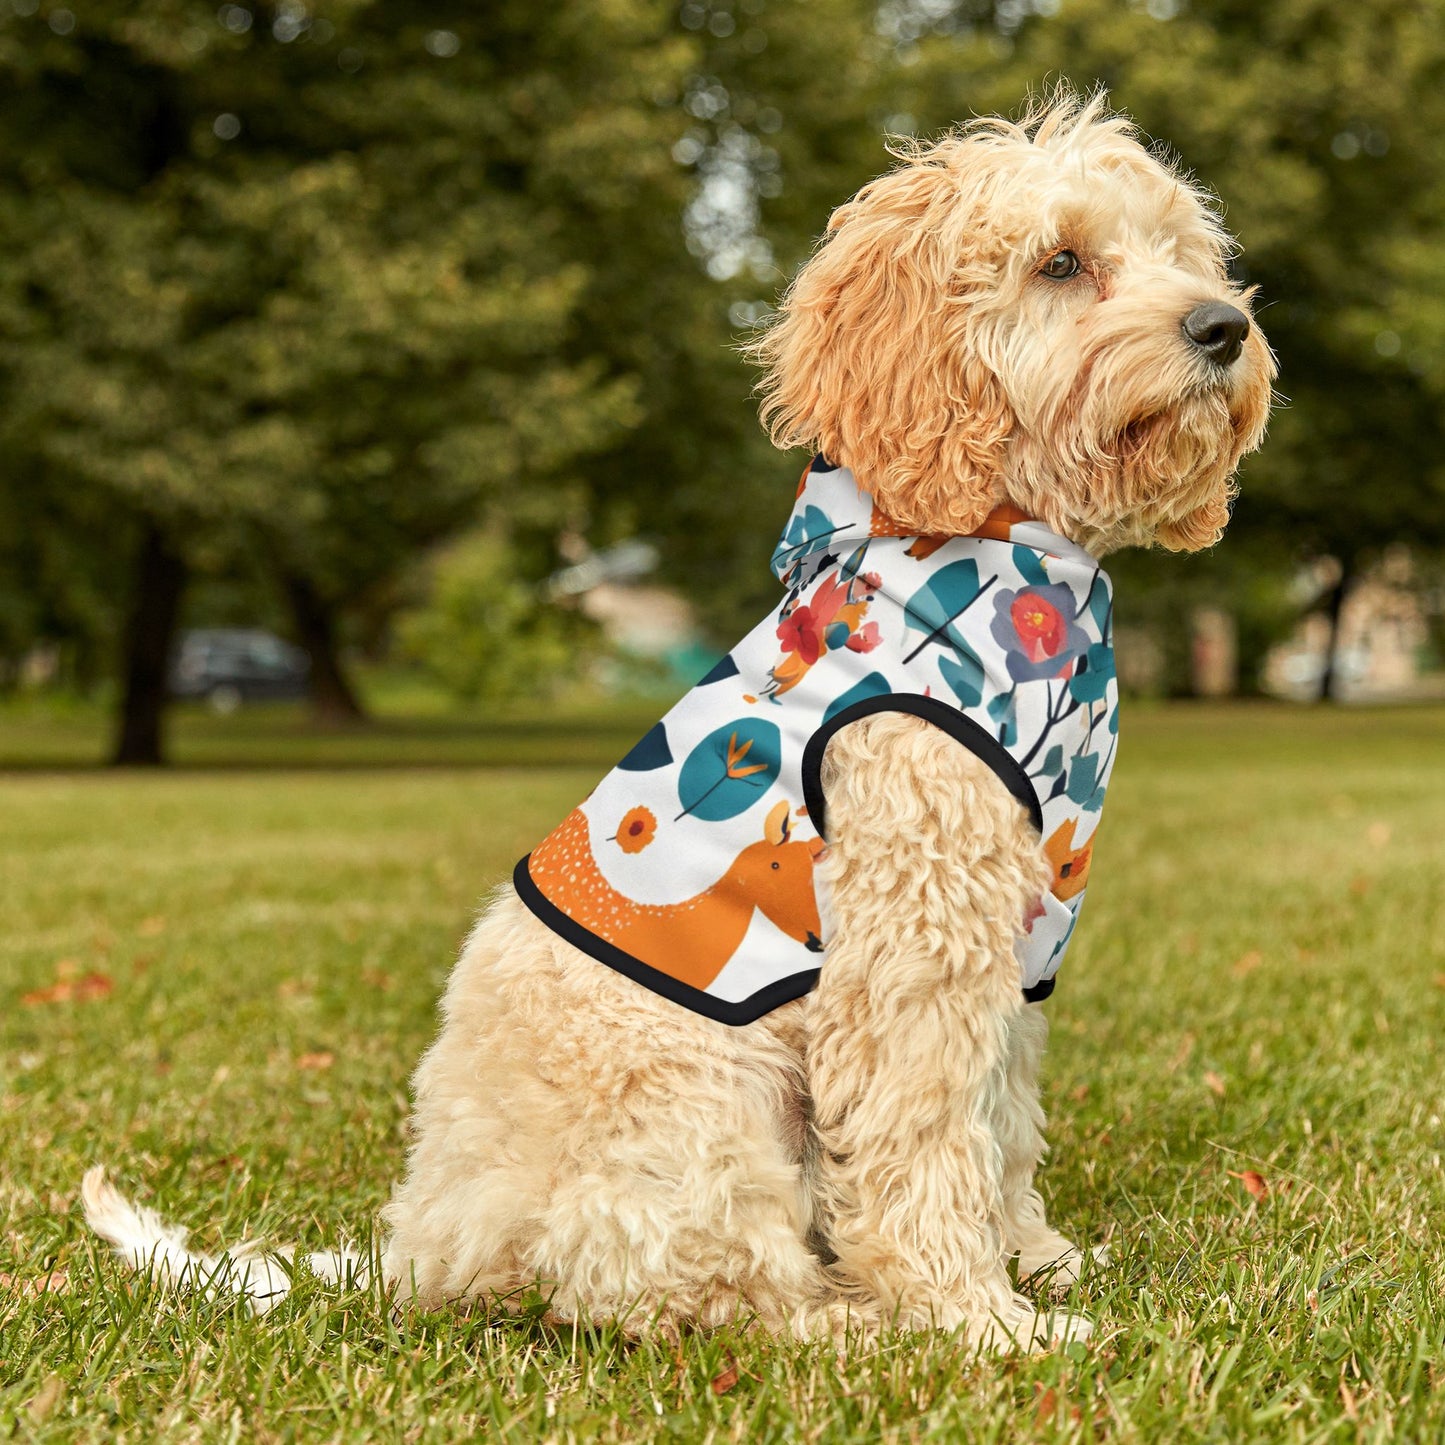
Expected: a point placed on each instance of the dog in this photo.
(1024, 324)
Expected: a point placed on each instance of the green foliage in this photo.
(312, 290)
(487, 634)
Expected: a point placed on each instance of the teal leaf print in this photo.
(1030, 566)
(874, 685)
(1095, 673)
(723, 667)
(649, 752)
(941, 601)
(965, 676)
(1053, 761)
(849, 570)
(808, 533)
(1083, 775)
(1001, 709)
(1099, 604)
(730, 769)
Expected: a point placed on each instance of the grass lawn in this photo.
(216, 980)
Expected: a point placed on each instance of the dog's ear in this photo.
(873, 358)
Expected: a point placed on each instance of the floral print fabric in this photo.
(691, 865)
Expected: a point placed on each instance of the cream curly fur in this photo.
(865, 1155)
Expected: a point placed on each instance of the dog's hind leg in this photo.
(578, 1135)
(933, 864)
(1042, 1251)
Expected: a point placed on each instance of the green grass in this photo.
(1256, 986)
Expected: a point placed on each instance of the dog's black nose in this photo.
(1218, 330)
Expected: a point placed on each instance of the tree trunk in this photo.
(333, 699)
(1329, 676)
(160, 578)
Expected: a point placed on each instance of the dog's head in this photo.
(1033, 312)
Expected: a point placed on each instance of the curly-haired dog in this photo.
(1023, 345)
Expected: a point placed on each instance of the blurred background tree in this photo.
(292, 294)
(307, 290)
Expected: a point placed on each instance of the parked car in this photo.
(230, 665)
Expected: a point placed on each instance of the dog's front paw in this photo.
(1023, 1326)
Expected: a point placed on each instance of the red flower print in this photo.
(1036, 628)
(865, 639)
(1039, 624)
(800, 632)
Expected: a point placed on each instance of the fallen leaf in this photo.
(1247, 963)
(1046, 1408)
(1378, 834)
(377, 978)
(151, 927)
(1360, 885)
(1254, 1183)
(56, 1282)
(1079, 1094)
(322, 1059)
(724, 1382)
(67, 990)
(56, 993)
(1440, 980)
(1214, 1083)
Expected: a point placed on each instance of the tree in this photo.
(295, 284)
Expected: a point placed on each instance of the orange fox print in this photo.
(692, 940)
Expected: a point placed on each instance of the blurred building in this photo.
(1382, 651)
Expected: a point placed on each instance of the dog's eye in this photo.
(1060, 266)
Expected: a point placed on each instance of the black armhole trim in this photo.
(961, 728)
(748, 1010)
(1040, 991)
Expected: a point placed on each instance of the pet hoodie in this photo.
(690, 866)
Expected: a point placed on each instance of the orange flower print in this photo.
(1071, 865)
(636, 830)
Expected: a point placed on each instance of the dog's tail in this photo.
(147, 1243)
